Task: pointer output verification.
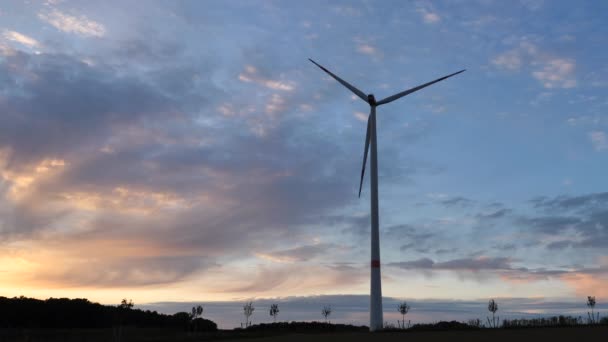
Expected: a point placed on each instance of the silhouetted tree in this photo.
(127, 305)
(591, 303)
(123, 311)
(555, 321)
(493, 307)
(403, 309)
(197, 311)
(248, 311)
(475, 323)
(326, 312)
(274, 311)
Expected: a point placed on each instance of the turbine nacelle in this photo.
(371, 100)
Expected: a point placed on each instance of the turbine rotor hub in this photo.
(371, 99)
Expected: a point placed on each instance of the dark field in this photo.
(586, 333)
(599, 333)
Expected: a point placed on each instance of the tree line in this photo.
(65, 313)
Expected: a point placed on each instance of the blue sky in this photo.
(189, 152)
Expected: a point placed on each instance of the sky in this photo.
(188, 152)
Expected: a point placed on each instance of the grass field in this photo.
(578, 334)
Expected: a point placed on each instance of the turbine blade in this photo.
(343, 82)
(409, 91)
(367, 137)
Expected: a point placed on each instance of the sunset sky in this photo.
(189, 152)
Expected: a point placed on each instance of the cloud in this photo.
(502, 267)
(431, 18)
(550, 224)
(96, 270)
(367, 46)
(298, 254)
(276, 104)
(266, 280)
(568, 202)
(251, 75)
(583, 217)
(424, 263)
(20, 38)
(588, 284)
(559, 245)
(510, 60)
(550, 70)
(500, 213)
(120, 161)
(55, 92)
(465, 264)
(428, 16)
(367, 49)
(457, 201)
(599, 140)
(361, 116)
(557, 73)
(81, 26)
(414, 235)
(150, 52)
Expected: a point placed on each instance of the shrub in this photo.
(440, 326)
(305, 327)
(556, 321)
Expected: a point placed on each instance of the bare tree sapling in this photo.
(493, 307)
(197, 311)
(592, 318)
(326, 312)
(248, 311)
(274, 311)
(403, 309)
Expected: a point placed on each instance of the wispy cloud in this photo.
(510, 60)
(81, 25)
(431, 18)
(20, 38)
(428, 16)
(457, 201)
(551, 71)
(297, 254)
(532, 5)
(599, 140)
(466, 264)
(367, 49)
(557, 73)
(251, 75)
(367, 46)
(360, 116)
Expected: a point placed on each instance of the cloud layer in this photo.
(157, 151)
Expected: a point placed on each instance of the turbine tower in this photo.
(375, 308)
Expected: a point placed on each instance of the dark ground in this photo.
(577, 334)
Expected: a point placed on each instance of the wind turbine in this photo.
(375, 308)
